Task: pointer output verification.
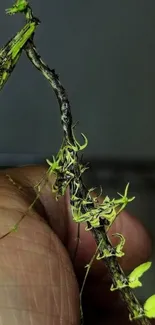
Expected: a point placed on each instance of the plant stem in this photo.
(76, 184)
(116, 273)
(52, 77)
(112, 264)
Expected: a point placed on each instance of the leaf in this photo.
(138, 271)
(19, 6)
(149, 307)
(10, 53)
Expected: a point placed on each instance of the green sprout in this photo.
(133, 278)
(19, 6)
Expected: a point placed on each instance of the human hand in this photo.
(37, 283)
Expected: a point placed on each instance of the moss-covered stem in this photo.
(52, 77)
(117, 273)
(112, 264)
(69, 171)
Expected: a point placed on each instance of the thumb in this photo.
(137, 246)
(37, 282)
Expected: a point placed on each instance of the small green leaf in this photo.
(19, 6)
(139, 270)
(149, 307)
(137, 273)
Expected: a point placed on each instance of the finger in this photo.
(37, 282)
(55, 212)
(137, 248)
(138, 243)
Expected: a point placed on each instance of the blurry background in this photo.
(104, 53)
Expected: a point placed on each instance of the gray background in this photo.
(104, 52)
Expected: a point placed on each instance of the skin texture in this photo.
(38, 285)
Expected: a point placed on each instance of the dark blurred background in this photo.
(104, 53)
